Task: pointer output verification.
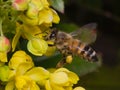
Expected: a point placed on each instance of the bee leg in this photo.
(67, 59)
(61, 63)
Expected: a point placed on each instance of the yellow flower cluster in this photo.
(36, 12)
(21, 74)
(37, 18)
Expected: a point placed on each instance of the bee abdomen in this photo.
(88, 53)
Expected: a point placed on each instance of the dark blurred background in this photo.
(106, 13)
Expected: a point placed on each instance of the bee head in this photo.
(53, 34)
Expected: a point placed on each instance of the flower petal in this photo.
(38, 74)
(23, 68)
(3, 57)
(45, 16)
(10, 86)
(48, 86)
(56, 18)
(16, 37)
(18, 58)
(59, 78)
(26, 20)
(73, 77)
(25, 83)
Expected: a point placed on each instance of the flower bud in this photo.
(4, 70)
(79, 88)
(4, 44)
(20, 5)
(37, 46)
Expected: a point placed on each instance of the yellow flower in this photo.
(38, 74)
(35, 6)
(39, 12)
(45, 16)
(30, 32)
(37, 46)
(18, 58)
(29, 21)
(28, 80)
(61, 79)
(23, 5)
(22, 82)
(79, 88)
(27, 32)
(48, 16)
(22, 75)
(25, 83)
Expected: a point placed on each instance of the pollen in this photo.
(69, 59)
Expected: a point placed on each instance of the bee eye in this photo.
(52, 35)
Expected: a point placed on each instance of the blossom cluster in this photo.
(36, 12)
(37, 17)
(19, 72)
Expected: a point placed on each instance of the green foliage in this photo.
(58, 5)
(82, 66)
(8, 16)
(105, 78)
(79, 65)
(67, 27)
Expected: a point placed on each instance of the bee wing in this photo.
(86, 33)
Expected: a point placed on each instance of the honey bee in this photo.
(69, 45)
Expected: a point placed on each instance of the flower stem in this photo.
(1, 28)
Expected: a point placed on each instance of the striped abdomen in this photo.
(83, 50)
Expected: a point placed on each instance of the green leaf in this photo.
(47, 62)
(58, 5)
(83, 67)
(79, 66)
(107, 78)
(67, 27)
